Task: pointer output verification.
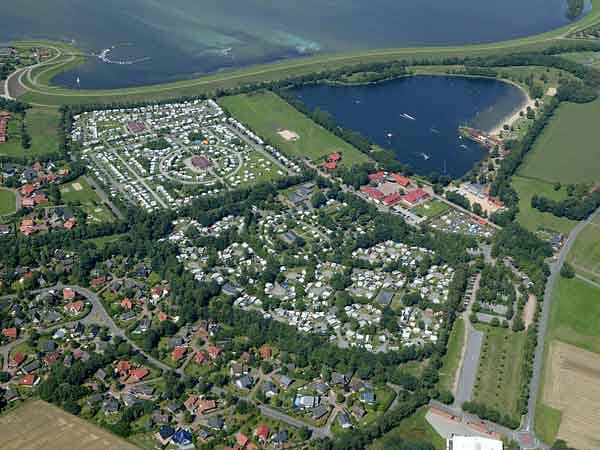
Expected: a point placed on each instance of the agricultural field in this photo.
(567, 150)
(452, 357)
(499, 377)
(575, 315)
(275, 120)
(585, 254)
(7, 202)
(37, 424)
(532, 219)
(571, 386)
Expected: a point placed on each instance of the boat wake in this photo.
(407, 116)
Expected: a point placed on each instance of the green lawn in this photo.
(255, 166)
(88, 199)
(413, 428)
(266, 114)
(70, 194)
(531, 218)
(432, 208)
(7, 202)
(575, 315)
(585, 254)
(42, 126)
(499, 375)
(102, 241)
(567, 150)
(452, 358)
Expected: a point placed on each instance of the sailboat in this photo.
(407, 116)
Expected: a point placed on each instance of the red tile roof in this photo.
(178, 353)
(401, 180)
(10, 332)
(377, 176)
(68, 294)
(415, 196)
(241, 439)
(334, 157)
(262, 432)
(392, 198)
(330, 165)
(372, 192)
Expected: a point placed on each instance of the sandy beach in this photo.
(515, 114)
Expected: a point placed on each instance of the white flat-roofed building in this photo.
(473, 443)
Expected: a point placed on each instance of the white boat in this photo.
(389, 135)
(407, 116)
(425, 156)
(434, 130)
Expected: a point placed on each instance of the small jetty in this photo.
(487, 140)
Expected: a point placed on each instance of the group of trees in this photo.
(574, 208)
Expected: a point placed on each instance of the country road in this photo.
(529, 420)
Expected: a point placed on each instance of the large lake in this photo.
(184, 38)
(418, 117)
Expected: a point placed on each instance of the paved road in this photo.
(463, 389)
(528, 421)
(468, 372)
(97, 316)
(292, 421)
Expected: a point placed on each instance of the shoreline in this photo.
(515, 115)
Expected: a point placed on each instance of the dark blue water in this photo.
(184, 38)
(439, 105)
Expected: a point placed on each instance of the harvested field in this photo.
(572, 386)
(38, 425)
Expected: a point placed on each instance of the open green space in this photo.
(575, 314)
(585, 254)
(42, 126)
(531, 218)
(78, 190)
(413, 428)
(567, 150)
(547, 422)
(431, 209)
(102, 241)
(452, 358)
(267, 114)
(499, 375)
(8, 201)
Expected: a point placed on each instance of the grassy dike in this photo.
(38, 91)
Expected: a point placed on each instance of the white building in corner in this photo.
(473, 443)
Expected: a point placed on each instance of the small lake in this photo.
(418, 117)
(180, 39)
